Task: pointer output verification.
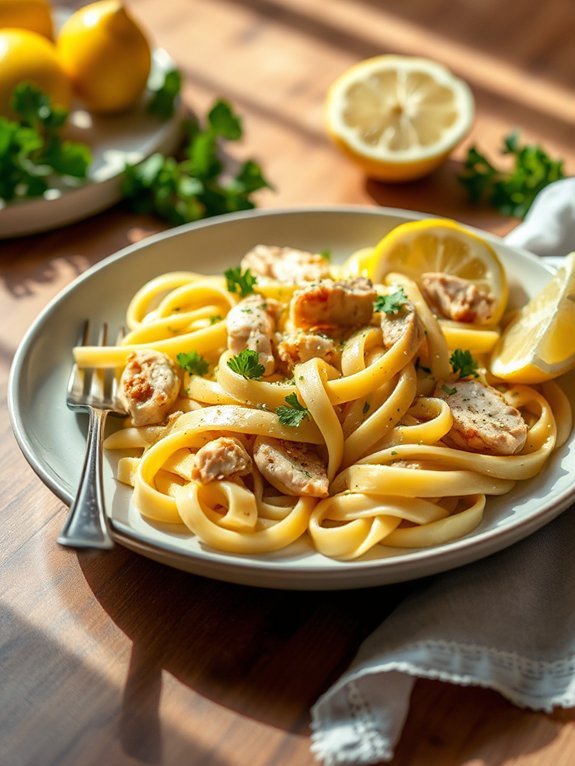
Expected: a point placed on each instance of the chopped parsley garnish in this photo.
(325, 254)
(366, 407)
(463, 363)
(448, 390)
(215, 318)
(246, 364)
(193, 363)
(238, 281)
(293, 414)
(392, 303)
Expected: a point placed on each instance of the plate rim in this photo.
(248, 570)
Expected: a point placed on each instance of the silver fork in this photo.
(93, 390)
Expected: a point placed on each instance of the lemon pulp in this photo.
(398, 117)
(539, 342)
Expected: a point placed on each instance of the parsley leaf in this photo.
(193, 363)
(163, 101)
(196, 184)
(293, 414)
(239, 281)
(513, 191)
(33, 155)
(390, 304)
(462, 362)
(326, 254)
(448, 389)
(246, 364)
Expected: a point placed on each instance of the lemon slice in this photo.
(539, 343)
(398, 117)
(436, 245)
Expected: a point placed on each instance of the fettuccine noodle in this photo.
(373, 416)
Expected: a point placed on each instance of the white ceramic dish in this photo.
(114, 141)
(52, 438)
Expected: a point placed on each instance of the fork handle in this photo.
(87, 523)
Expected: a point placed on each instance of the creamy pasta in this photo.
(316, 405)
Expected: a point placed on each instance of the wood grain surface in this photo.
(114, 659)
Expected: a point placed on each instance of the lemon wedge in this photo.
(539, 342)
(398, 117)
(444, 246)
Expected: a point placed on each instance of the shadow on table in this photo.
(56, 711)
(266, 654)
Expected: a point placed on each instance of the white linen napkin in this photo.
(506, 622)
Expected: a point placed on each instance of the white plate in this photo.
(114, 141)
(52, 438)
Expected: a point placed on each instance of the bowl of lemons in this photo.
(75, 95)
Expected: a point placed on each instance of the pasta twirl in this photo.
(357, 436)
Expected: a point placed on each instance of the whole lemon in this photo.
(106, 56)
(35, 15)
(28, 57)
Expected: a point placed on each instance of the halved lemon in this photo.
(539, 343)
(398, 117)
(442, 245)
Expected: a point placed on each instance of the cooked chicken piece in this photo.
(291, 467)
(221, 458)
(333, 306)
(252, 324)
(285, 264)
(482, 419)
(455, 298)
(295, 348)
(395, 326)
(149, 386)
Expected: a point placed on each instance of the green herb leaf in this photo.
(239, 281)
(193, 363)
(33, 155)
(293, 414)
(197, 186)
(224, 122)
(163, 101)
(247, 364)
(390, 304)
(448, 390)
(512, 191)
(463, 363)
(326, 254)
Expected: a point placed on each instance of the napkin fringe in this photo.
(346, 730)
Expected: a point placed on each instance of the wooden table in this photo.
(113, 659)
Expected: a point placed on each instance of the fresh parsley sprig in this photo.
(193, 362)
(33, 154)
(238, 281)
(247, 364)
(512, 191)
(463, 363)
(197, 186)
(392, 303)
(293, 414)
